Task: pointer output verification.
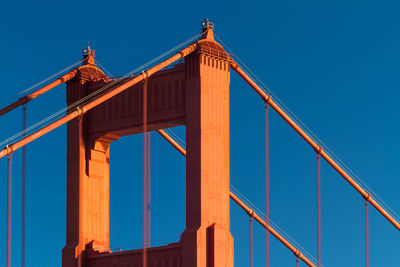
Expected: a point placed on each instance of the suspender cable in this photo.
(148, 188)
(146, 175)
(318, 210)
(23, 189)
(9, 199)
(267, 98)
(144, 261)
(271, 230)
(266, 184)
(94, 103)
(251, 240)
(25, 99)
(249, 210)
(297, 262)
(366, 234)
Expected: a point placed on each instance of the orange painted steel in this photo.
(246, 208)
(82, 110)
(27, 98)
(172, 142)
(267, 98)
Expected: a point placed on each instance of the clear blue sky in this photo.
(334, 63)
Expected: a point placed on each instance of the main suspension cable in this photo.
(383, 206)
(92, 96)
(50, 77)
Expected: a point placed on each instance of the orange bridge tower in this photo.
(194, 93)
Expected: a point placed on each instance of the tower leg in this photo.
(87, 193)
(207, 240)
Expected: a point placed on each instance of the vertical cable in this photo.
(9, 198)
(23, 189)
(148, 188)
(318, 210)
(366, 234)
(145, 169)
(297, 262)
(251, 240)
(266, 184)
(146, 176)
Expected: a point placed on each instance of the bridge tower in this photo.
(194, 93)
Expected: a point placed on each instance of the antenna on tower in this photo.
(88, 55)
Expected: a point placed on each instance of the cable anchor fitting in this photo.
(297, 253)
(25, 99)
(318, 149)
(266, 98)
(251, 213)
(182, 54)
(80, 112)
(367, 197)
(10, 150)
(145, 75)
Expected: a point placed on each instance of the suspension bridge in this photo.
(187, 86)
